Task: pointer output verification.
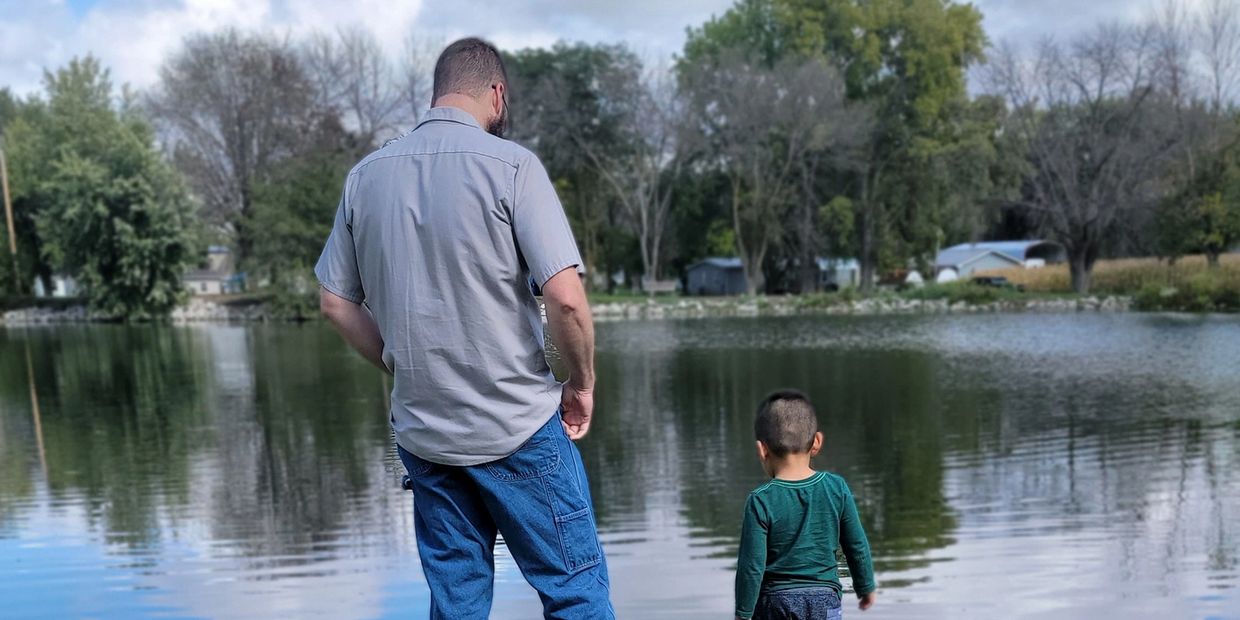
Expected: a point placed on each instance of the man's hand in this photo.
(867, 601)
(576, 408)
(572, 331)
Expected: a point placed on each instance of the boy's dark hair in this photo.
(786, 423)
(469, 67)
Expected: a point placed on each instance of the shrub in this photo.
(1202, 292)
(953, 292)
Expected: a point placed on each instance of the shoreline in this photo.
(695, 308)
(200, 310)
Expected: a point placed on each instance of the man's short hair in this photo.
(469, 67)
(786, 423)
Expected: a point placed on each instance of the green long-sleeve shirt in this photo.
(789, 537)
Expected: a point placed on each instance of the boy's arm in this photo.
(751, 560)
(856, 548)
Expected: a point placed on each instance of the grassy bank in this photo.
(1189, 285)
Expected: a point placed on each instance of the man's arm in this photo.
(572, 331)
(354, 322)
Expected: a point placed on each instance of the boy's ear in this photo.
(762, 451)
(817, 447)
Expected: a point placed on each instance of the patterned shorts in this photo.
(800, 604)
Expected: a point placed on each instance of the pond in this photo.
(1066, 466)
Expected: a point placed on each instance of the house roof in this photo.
(719, 262)
(1016, 249)
(959, 256)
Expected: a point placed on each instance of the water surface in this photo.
(1039, 466)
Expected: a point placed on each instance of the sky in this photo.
(132, 37)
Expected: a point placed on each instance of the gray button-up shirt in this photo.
(439, 233)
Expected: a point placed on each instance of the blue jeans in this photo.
(538, 498)
(800, 604)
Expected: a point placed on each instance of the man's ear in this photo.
(817, 446)
(497, 98)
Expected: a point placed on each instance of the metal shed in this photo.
(1024, 251)
(954, 263)
(838, 273)
(716, 276)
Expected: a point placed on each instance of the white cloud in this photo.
(132, 37)
(1022, 21)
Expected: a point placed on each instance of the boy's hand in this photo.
(867, 601)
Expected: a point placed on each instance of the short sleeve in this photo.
(543, 235)
(337, 267)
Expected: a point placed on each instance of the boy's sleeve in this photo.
(856, 547)
(751, 559)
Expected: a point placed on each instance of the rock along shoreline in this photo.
(200, 310)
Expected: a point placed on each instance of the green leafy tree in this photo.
(105, 207)
(9, 106)
(758, 123)
(1204, 216)
(560, 110)
(289, 220)
(230, 107)
(24, 146)
(904, 59)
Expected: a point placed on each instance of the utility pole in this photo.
(8, 215)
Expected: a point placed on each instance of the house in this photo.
(62, 286)
(837, 273)
(214, 275)
(962, 261)
(716, 276)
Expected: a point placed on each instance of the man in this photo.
(439, 234)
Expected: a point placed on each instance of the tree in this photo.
(1098, 135)
(558, 110)
(652, 151)
(353, 78)
(1218, 36)
(292, 215)
(1204, 216)
(231, 106)
(417, 68)
(905, 60)
(107, 210)
(9, 107)
(29, 262)
(759, 123)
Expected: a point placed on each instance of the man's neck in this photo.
(466, 104)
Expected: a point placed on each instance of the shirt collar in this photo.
(449, 113)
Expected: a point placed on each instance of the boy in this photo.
(794, 523)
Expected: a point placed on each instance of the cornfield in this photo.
(1128, 276)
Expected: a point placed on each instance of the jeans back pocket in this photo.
(538, 456)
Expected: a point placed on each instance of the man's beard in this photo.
(499, 125)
